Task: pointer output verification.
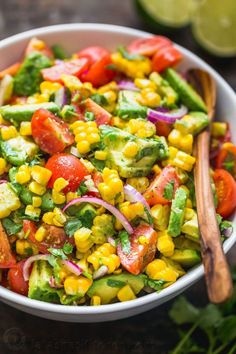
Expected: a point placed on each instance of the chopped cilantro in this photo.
(82, 190)
(10, 227)
(115, 283)
(169, 190)
(72, 226)
(125, 54)
(89, 116)
(154, 284)
(61, 252)
(99, 99)
(125, 242)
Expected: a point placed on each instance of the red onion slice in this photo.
(3, 181)
(100, 272)
(107, 206)
(72, 267)
(31, 260)
(127, 85)
(60, 97)
(112, 241)
(167, 117)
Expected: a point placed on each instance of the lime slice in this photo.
(167, 13)
(214, 26)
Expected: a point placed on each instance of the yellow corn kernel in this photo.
(83, 147)
(145, 83)
(130, 149)
(141, 128)
(118, 226)
(126, 294)
(143, 240)
(188, 213)
(182, 175)
(160, 214)
(37, 188)
(95, 300)
(184, 161)
(112, 262)
(189, 203)
(59, 184)
(70, 196)
(48, 87)
(135, 68)
(77, 285)
(58, 197)
(98, 257)
(88, 165)
(38, 98)
(83, 239)
(131, 211)
(40, 234)
(158, 270)
(24, 248)
(149, 98)
(48, 218)
(22, 177)
(76, 124)
(8, 132)
(3, 166)
(181, 141)
(36, 202)
(139, 183)
(71, 82)
(112, 85)
(112, 187)
(118, 122)
(100, 155)
(218, 129)
(30, 210)
(41, 174)
(165, 244)
(156, 169)
(110, 96)
(25, 128)
(59, 218)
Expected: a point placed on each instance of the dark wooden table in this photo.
(146, 333)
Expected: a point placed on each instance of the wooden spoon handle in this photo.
(217, 274)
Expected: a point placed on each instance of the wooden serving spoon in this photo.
(217, 273)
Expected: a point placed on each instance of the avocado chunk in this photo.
(39, 288)
(128, 106)
(149, 151)
(192, 123)
(108, 287)
(186, 257)
(29, 77)
(26, 196)
(183, 241)
(47, 202)
(9, 200)
(190, 228)
(18, 150)
(177, 212)
(187, 94)
(86, 215)
(20, 113)
(164, 89)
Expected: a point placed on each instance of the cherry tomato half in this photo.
(7, 259)
(156, 191)
(69, 167)
(148, 46)
(140, 255)
(93, 53)
(226, 192)
(50, 132)
(163, 128)
(73, 67)
(226, 158)
(165, 57)
(16, 280)
(101, 115)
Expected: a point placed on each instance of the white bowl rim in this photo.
(184, 281)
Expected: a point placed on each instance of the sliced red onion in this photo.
(29, 261)
(72, 267)
(228, 231)
(3, 181)
(53, 284)
(112, 241)
(169, 118)
(107, 206)
(60, 97)
(127, 85)
(74, 151)
(133, 196)
(100, 272)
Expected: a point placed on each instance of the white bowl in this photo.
(73, 37)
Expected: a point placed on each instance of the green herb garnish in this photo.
(125, 242)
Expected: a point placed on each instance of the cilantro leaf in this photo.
(152, 283)
(115, 283)
(98, 164)
(67, 248)
(10, 227)
(125, 54)
(89, 116)
(125, 242)
(82, 190)
(226, 329)
(61, 252)
(99, 99)
(72, 226)
(169, 190)
(183, 311)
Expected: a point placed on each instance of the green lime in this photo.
(167, 14)
(214, 26)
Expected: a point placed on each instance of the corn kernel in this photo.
(77, 285)
(70, 196)
(36, 202)
(22, 177)
(143, 240)
(139, 183)
(156, 169)
(165, 244)
(158, 270)
(59, 184)
(41, 174)
(184, 161)
(40, 234)
(149, 98)
(48, 218)
(71, 82)
(32, 211)
(37, 188)
(25, 128)
(126, 294)
(8, 132)
(130, 149)
(100, 155)
(145, 83)
(3, 166)
(24, 248)
(48, 87)
(83, 147)
(218, 129)
(95, 300)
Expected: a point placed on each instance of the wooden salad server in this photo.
(217, 273)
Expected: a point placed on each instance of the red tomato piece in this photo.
(101, 115)
(148, 46)
(69, 167)
(140, 255)
(16, 280)
(99, 74)
(97, 178)
(7, 259)
(155, 192)
(55, 236)
(226, 158)
(165, 57)
(73, 67)
(226, 192)
(37, 45)
(50, 132)
(93, 53)
(163, 129)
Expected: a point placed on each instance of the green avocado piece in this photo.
(193, 123)
(29, 77)
(187, 94)
(26, 195)
(108, 287)
(177, 212)
(20, 113)
(86, 215)
(18, 150)
(183, 241)
(190, 229)
(186, 257)
(128, 106)
(47, 202)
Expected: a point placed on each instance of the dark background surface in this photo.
(146, 333)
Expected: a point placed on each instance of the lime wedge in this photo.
(214, 26)
(167, 13)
